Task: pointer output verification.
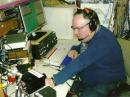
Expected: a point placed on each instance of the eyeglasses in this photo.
(79, 28)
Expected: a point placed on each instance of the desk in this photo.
(49, 70)
(62, 89)
(41, 67)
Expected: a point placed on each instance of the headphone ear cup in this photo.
(92, 25)
(93, 21)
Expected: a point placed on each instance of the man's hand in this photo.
(49, 82)
(73, 54)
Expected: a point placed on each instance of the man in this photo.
(98, 60)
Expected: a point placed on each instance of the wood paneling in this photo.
(8, 25)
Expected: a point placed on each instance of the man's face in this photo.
(80, 27)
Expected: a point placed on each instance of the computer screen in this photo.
(32, 15)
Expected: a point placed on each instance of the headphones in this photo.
(91, 15)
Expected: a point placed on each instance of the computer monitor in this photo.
(32, 15)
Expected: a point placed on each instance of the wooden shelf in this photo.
(9, 4)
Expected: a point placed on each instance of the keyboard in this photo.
(57, 57)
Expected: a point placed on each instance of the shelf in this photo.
(8, 4)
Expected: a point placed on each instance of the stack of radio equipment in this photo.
(42, 42)
(9, 26)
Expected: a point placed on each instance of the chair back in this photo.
(125, 46)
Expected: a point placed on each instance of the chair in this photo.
(123, 90)
(125, 46)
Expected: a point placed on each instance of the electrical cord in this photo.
(71, 90)
(77, 86)
(68, 84)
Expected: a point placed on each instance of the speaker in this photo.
(92, 16)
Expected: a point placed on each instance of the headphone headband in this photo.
(91, 15)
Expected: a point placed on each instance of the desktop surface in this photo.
(60, 52)
(48, 69)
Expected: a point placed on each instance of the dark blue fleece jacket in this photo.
(102, 61)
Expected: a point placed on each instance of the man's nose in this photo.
(76, 31)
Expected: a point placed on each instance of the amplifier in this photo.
(17, 53)
(32, 81)
(42, 43)
(7, 14)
